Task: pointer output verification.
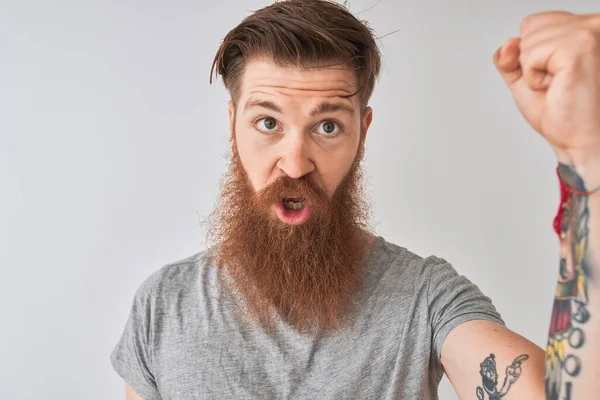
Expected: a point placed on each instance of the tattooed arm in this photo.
(553, 72)
(484, 360)
(511, 367)
(573, 352)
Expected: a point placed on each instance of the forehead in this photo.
(263, 77)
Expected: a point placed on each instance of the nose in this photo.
(295, 160)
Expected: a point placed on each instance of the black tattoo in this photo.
(564, 272)
(489, 376)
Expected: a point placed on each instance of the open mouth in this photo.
(293, 210)
(293, 203)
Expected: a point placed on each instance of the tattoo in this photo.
(570, 310)
(489, 376)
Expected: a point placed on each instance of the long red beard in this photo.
(307, 274)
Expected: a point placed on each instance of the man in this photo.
(297, 298)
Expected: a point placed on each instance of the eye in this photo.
(328, 128)
(266, 125)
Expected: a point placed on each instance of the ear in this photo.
(231, 107)
(367, 118)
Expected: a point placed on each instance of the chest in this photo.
(372, 359)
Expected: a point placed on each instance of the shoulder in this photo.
(174, 277)
(406, 261)
(395, 269)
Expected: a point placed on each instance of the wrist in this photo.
(580, 171)
(589, 172)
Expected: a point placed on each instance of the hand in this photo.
(553, 71)
(513, 371)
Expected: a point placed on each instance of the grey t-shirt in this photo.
(183, 340)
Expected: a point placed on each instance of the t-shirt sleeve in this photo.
(131, 357)
(453, 299)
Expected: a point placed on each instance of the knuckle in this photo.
(587, 39)
(533, 21)
(527, 23)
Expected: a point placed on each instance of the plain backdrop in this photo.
(112, 145)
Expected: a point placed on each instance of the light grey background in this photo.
(112, 145)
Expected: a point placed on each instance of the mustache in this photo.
(304, 187)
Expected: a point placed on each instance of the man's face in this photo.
(296, 123)
(292, 224)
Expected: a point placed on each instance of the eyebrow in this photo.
(322, 108)
(252, 103)
(331, 107)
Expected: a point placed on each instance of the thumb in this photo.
(506, 59)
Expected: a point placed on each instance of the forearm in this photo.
(573, 351)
